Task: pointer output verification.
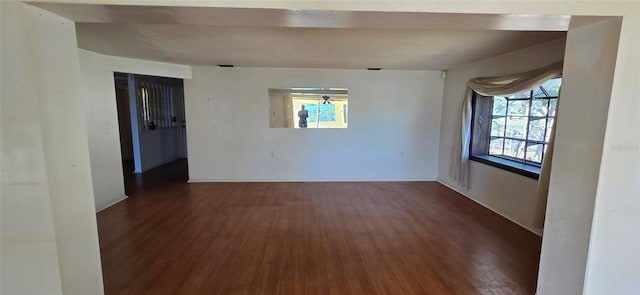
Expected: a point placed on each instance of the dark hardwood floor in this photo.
(171, 237)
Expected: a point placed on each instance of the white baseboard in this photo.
(109, 204)
(493, 210)
(308, 180)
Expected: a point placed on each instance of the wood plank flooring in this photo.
(170, 237)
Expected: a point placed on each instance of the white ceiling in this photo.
(307, 39)
(304, 47)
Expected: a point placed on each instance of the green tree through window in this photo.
(521, 123)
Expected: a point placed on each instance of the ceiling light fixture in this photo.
(374, 69)
(226, 66)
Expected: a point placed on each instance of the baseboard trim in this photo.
(491, 209)
(109, 204)
(307, 180)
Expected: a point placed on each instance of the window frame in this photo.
(481, 137)
(155, 102)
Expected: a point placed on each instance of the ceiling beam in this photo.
(257, 17)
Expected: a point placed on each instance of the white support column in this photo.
(613, 265)
(590, 58)
(49, 231)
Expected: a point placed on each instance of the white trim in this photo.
(111, 203)
(483, 205)
(311, 180)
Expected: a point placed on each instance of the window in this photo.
(308, 108)
(514, 130)
(326, 112)
(154, 98)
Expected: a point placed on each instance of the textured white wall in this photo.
(49, 232)
(613, 265)
(394, 124)
(589, 64)
(102, 130)
(28, 247)
(490, 186)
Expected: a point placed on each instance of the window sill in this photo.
(511, 166)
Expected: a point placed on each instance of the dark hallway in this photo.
(154, 180)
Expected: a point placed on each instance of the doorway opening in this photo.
(152, 125)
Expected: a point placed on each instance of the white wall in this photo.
(25, 204)
(582, 115)
(49, 235)
(613, 259)
(394, 123)
(158, 147)
(102, 119)
(613, 265)
(509, 194)
(102, 130)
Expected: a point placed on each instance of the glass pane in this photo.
(553, 104)
(312, 112)
(534, 153)
(525, 94)
(549, 125)
(516, 127)
(537, 129)
(495, 146)
(499, 106)
(497, 126)
(538, 92)
(308, 107)
(552, 86)
(539, 107)
(514, 148)
(519, 107)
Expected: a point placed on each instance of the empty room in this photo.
(320, 147)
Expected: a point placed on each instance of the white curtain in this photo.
(511, 84)
(461, 157)
(503, 86)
